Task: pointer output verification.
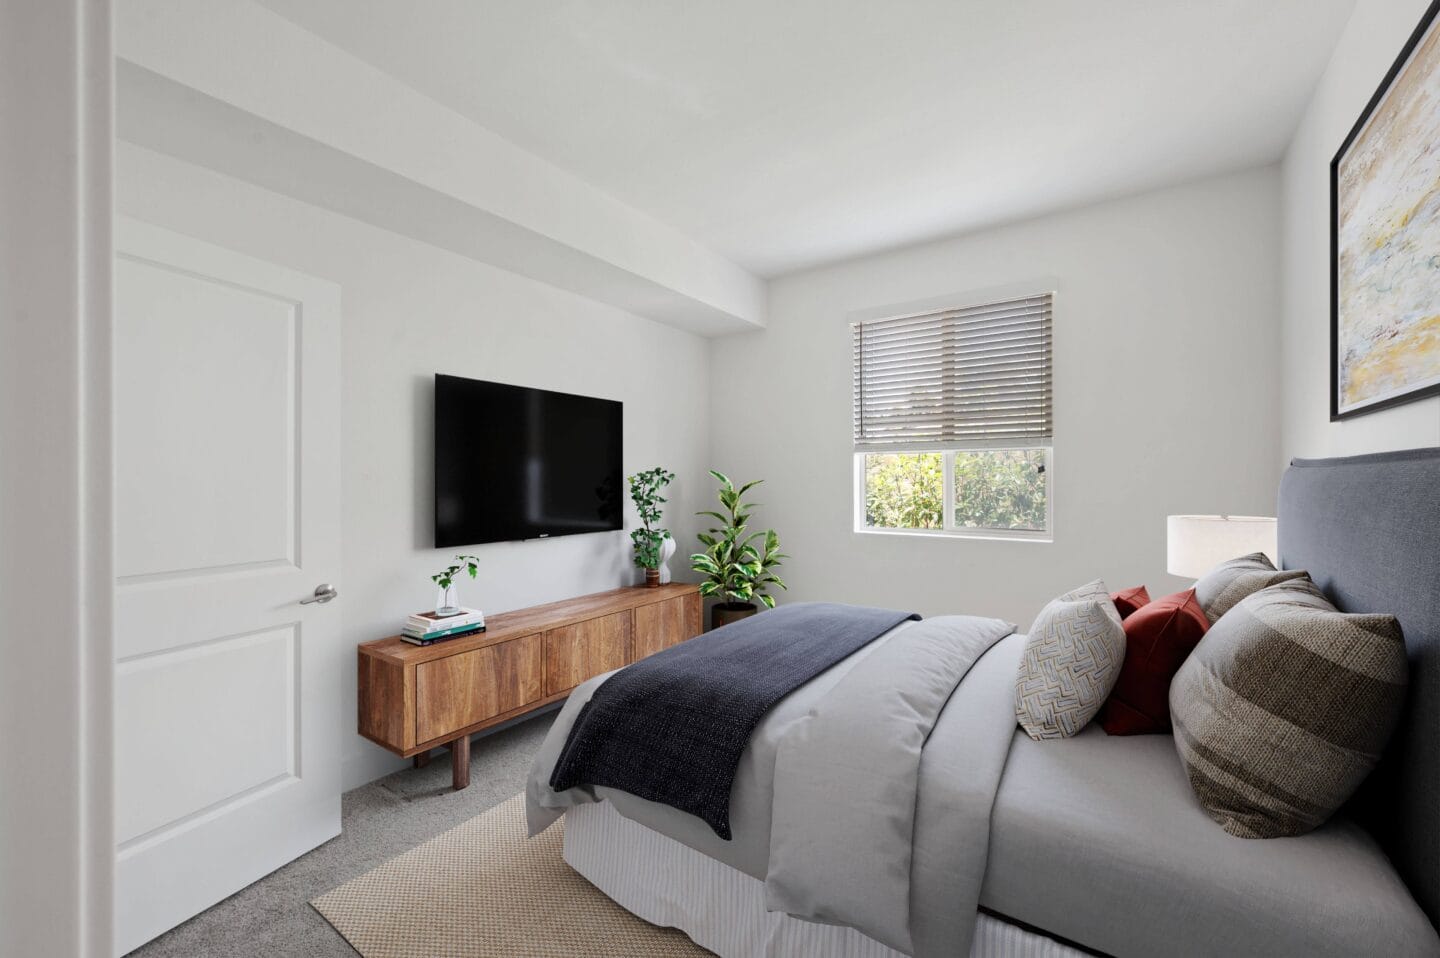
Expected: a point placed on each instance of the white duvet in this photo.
(864, 796)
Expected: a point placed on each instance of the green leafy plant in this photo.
(446, 578)
(738, 567)
(645, 493)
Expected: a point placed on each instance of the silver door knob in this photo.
(324, 592)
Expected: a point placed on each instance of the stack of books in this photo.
(427, 628)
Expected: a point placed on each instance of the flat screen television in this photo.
(518, 463)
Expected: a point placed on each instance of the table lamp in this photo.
(1196, 544)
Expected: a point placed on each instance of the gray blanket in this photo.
(933, 840)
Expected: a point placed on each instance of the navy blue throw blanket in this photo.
(671, 727)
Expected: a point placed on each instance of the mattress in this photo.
(723, 909)
(1099, 839)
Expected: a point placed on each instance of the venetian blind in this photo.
(976, 376)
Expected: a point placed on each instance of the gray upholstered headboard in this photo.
(1367, 528)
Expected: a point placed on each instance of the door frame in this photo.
(56, 806)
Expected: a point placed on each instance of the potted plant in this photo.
(738, 568)
(653, 545)
(447, 602)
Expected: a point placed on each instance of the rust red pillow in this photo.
(1158, 639)
(1130, 601)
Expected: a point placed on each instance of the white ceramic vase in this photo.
(667, 549)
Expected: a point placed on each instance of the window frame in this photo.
(1040, 285)
(950, 530)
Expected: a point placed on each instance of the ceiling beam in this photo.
(301, 117)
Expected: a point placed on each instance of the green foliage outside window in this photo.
(993, 489)
(1003, 489)
(905, 490)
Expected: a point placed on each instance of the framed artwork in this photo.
(1385, 239)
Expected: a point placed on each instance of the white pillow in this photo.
(1072, 658)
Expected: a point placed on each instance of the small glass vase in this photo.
(447, 601)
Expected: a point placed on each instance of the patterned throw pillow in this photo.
(1284, 707)
(1222, 588)
(1072, 658)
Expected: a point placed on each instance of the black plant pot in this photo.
(724, 613)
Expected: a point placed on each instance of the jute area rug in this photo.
(484, 890)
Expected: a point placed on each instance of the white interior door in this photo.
(228, 706)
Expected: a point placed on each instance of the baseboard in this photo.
(365, 765)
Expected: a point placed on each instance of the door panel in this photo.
(238, 733)
(660, 625)
(463, 689)
(574, 653)
(228, 715)
(217, 360)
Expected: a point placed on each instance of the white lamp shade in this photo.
(1196, 544)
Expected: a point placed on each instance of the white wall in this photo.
(409, 311)
(1167, 343)
(1375, 35)
(1167, 398)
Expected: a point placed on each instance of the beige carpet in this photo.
(484, 890)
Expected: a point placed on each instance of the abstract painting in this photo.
(1385, 239)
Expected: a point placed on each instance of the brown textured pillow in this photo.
(1222, 588)
(1284, 707)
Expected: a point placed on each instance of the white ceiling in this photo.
(786, 133)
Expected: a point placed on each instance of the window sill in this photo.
(1043, 538)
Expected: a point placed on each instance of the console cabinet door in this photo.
(460, 690)
(573, 653)
(660, 625)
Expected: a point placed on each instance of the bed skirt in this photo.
(722, 909)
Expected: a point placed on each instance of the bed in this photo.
(1011, 846)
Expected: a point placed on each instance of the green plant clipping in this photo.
(737, 566)
(645, 493)
(445, 578)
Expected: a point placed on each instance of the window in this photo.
(953, 421)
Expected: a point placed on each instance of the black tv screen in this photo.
(518, 463)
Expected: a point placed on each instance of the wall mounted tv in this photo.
(518, 463)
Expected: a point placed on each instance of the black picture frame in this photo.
(1419, 392)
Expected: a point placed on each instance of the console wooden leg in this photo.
(422, 759)
(460, 762)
